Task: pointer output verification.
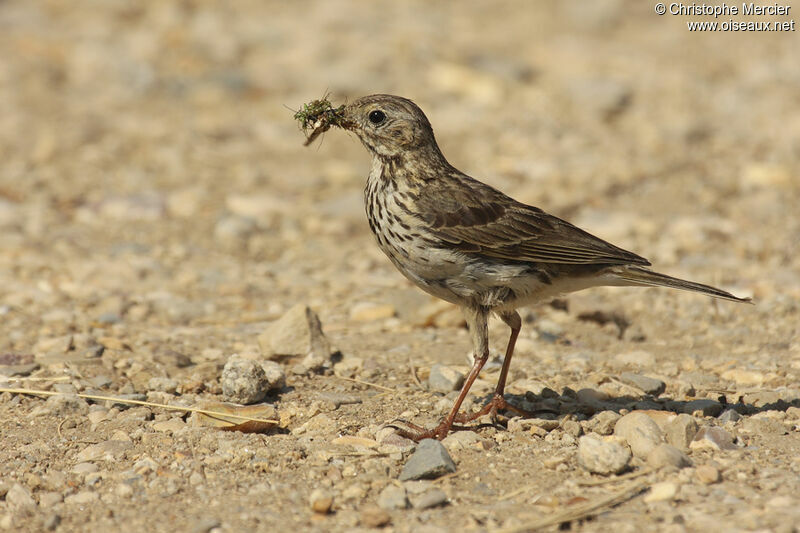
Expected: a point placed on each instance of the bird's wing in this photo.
(476, 218)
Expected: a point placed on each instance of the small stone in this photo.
(49, 499)
(667, 455)
(429, 461)
(639, 358)
(661, 492)
(63, 405)
(445, 379)
(431, 498)
(321, 501)
(707, 474)
(705, 406)
(647, 384)
(162, 384)
(782, 501)
(276, 378)
(592, 397)
(715, 438)
(106, 450)
(367, 312)
(602, 457)
(602, 423)
(744, 378)
(793, 413)
(765, 399)
(85, 468)
(572, 427)
(393, 497)
(681, 431)
(730, 415)
(173, 425)
(233, 228)
(298, 332)
(374, 517)
(243, 381)
(464, 440)
(640, 432)
(18, 497)
(61, 344)
(82, 498)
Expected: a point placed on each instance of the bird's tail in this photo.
(641, 276)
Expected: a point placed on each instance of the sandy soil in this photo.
(158, 211)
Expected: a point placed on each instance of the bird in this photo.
(467, 243)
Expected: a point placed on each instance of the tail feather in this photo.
(642, 276)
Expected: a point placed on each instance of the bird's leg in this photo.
(477, 320)
(498, 402)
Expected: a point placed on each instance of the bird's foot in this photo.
(495, 405)
(417, 433)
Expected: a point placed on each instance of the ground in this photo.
(158, 211)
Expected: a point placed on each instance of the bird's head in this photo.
(389, 126)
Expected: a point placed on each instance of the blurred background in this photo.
(150, 168)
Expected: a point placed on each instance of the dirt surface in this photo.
(158, 212)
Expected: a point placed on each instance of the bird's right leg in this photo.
(477, 320)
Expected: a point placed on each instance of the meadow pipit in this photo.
(468, 243)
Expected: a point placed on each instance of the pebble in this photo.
(243, 381)
(321, 501)
(602, 457)
(53, 345)
(667, 455)
(640, 432)
(62, 405)
(730, 415)
(173, 425)
(162, 384)
(464, 440)
(18, 497)
(372, 516)
(745, 378)
(49, 499)
(431, 498)
(706, 407)
(297, 332)
(82, 498)
(681, 431)
(661, 492)
(707, 474)
(602, 423)
(638, 358)
(393, 497)
(646, 384)
(429, 461)
(445, 379)
(715, 438)
(233, 228)
(276, 377)
(107, 450)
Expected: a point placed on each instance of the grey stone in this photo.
(706, 406)
(601, 457)
(667, 455)
(106, 450)
(681, 431)
(429, 461)
(276, 378)
(730, 415)
(445, 379)
(602, 423)
(243, 381)
(297, 332)
(647, 384)
(428, 499)
(18, 497)
(162, 384)
(63, 404)
(393, 497)
(713, 437)
(640, 432)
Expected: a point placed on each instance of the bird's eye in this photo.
(377, 116)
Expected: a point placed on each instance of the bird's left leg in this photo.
(477, 320)
(498, 402)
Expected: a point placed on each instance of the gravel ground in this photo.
(159, 215)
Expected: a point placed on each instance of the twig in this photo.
(360, 382)
(212, 414)
(37, 378)
(579, 511)
(414, 373)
